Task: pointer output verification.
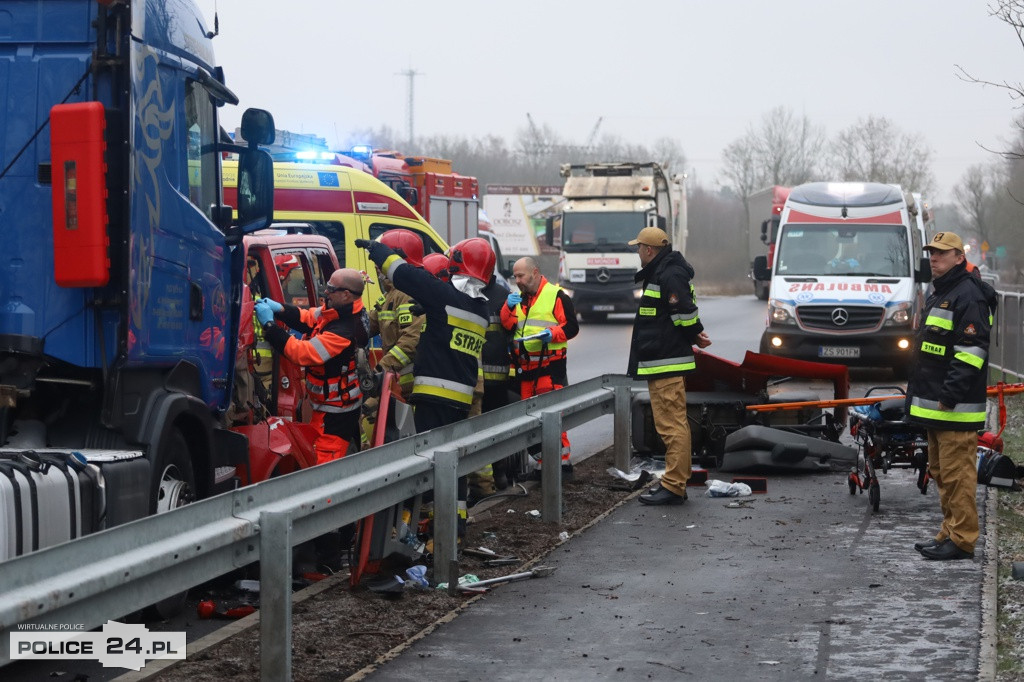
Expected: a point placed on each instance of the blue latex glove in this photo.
(545, 335)
(264, 313)
(514, 299)
(274, 305)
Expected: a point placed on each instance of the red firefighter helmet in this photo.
(407, 241)
(473, 257)
(437, 265)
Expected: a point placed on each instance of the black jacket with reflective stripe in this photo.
(496, 351)
(667, 323)
(951, 354)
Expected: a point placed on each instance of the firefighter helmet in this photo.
(472, 257)
(406, 241)
(437, 265)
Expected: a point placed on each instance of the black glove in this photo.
(416, 309)
(363, 243)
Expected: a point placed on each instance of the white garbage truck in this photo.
(606, 205)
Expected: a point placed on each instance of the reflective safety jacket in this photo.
(550, 308)
(399, 331)
(951, 354)
(495, 358)
(667, 323)
(329, 354)
(448, 356)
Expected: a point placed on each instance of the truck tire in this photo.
(761, 290)
(173, 486)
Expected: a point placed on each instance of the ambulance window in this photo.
(429, 245)
(200, 159)
(335, 233)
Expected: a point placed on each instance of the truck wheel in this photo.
(175, 483)
(173, 486)
(761, 290)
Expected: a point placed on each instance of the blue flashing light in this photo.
(362, 149)
(307, 155)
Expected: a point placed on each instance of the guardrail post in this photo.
(446, 488)
(623, 449)
(275, 597)
(551, 466)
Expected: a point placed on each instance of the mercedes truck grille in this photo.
(840, 318)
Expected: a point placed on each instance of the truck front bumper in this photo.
(589, 299)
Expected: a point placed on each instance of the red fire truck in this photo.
(765, 208)
(449, 201)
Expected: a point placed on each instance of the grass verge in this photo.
(1010, 520)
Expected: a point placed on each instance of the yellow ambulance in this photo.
(341, 203)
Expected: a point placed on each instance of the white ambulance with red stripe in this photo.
(845, 279)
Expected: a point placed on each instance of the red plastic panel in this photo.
(80, 239)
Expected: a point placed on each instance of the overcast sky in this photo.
(697, 71)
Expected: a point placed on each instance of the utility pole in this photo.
(411, 74)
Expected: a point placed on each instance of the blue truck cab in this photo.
(121, 268)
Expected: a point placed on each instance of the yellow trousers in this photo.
(953, 463)
(668, 405)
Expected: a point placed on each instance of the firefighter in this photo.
(396, 322)
(448, 357)
(492, 386)
(335, 330)
(437, 265)
(947, 392)
(661, 351)
(541, 319)
(497, 365)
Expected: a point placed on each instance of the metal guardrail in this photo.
(1006, 350)
(118, 571)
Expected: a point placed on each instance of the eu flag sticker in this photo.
(328, 179)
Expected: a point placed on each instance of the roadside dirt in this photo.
(341, 630)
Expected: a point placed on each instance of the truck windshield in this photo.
(866, 250)
(600, 231)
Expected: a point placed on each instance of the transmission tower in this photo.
(411, 74)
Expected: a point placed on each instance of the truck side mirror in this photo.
(255, 190)
(924, 270)
(549, 230)
(764, 232)
(662, 222)
(257, 127)
(761, 271)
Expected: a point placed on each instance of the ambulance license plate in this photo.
(604, 308)
(838, 352)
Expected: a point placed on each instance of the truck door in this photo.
(180, 277)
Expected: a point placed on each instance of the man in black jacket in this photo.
(947, 392)
(666, 328)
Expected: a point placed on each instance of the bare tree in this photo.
(974, 195)
(783, 150)
(742, 173)
(875, 150)
(789, 147)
